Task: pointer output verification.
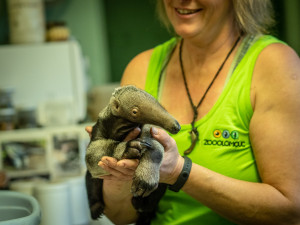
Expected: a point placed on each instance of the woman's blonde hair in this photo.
(250, 16)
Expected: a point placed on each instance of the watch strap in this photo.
(183, 176)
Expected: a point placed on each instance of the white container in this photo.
(26, 186)
(55, 203)
(26, 21)
(78, 201)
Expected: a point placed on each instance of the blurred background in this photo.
(59, 62)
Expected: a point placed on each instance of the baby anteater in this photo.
(129, 107)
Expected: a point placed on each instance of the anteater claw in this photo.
(146, 144)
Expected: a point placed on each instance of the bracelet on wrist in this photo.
(183, 176)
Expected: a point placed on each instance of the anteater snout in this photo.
(176, 128)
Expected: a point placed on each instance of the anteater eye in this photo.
(134, 111)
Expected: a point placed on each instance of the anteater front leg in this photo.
(146, 176)
(99, 148)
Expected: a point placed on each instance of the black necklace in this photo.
(194, 133)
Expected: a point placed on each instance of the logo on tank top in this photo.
(225, 138)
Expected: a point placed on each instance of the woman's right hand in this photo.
(122, 170)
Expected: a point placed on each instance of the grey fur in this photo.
(130, 107)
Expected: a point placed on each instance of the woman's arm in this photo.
(275, 132)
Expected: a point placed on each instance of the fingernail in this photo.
(137, 130)
(154, 131)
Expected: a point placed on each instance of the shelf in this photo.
(54, 151)
(27, 173)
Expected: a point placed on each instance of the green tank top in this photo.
(224, 145)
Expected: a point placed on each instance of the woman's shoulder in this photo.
(277, 70)
(136, 71)
(278, 57)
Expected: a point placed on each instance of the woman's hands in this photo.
(124, 169)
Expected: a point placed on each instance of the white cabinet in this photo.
(49, 77)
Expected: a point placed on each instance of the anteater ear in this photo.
(115, 106)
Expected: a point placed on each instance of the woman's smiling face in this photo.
(191, 18)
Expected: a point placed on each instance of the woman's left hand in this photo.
(172, 163)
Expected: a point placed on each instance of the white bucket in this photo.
(79, 203)
(55, 203)
(26, 186)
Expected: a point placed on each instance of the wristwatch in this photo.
(183, 176)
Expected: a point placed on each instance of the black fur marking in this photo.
(147, 206)
(94, 192)
(156, 156)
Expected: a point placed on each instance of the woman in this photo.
(236, 94)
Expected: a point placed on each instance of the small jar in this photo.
(7, 119)
(57, 31)
(26, 21)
